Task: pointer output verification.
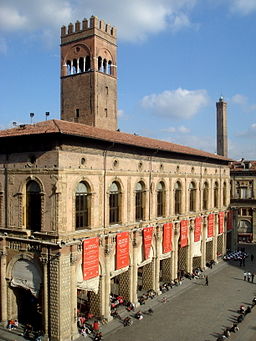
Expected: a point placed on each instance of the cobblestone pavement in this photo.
(193, 311)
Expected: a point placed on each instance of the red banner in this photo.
(90, 258)
(167, 238)
(122, 250)
(221, 222)
(184, 233)
(230, 221)
(147, 240)
(197, 231)
(210, 230)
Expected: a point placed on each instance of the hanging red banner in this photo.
(122, 250)
(167, 238)
(210, 230)
(183, 233)
(197, 231)
(147, 240)
(221, 222)
(90, 258)
(230, 221)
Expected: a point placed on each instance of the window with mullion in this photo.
(114, 208)
(139, 205)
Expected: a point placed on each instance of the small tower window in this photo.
(99, 64)
(109, 70)
(87, 63)
(77, 113)
(74, 66)
(68, 67)
(81, 64)
(105, 66)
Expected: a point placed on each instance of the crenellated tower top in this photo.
(86, 28)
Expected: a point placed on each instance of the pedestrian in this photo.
(245, 275)
(206, 281)
(252, 276)
(248, 276)
(243, 261)
(252, 257)
(96, 326)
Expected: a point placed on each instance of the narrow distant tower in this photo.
(88, 74)
(222, 137)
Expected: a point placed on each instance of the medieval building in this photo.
(87, 210)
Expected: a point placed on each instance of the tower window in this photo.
(68, 67)
(77, 113)
(87, 63)
(106, 112)
(81, 64)
(105, 66)
(99, 64)
(109, 70)
(74, 69)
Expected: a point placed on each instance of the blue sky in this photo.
(175, 59)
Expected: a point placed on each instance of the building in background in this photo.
(87, 211)
(243, 199)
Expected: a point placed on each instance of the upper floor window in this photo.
(83, 205)
(216, 194)
(192, 197)
(115, 203)
(177, 198)
(160, 199)
(33, 206)
(140, 201)
(224, 194)
(205, 195)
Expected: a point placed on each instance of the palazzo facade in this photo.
(86, 210)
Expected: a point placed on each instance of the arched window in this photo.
(105, 66)
(109, 71)
(33, 206)
(192, 197)
(99, 64)
(205, 196)
(177, 198)
(114, 203)
(224, 194)
(87, 63)
(160, 199)
(216, 194)
(81, 65)
(68, 67)
(140, 201)
(83, 205)
(74, 69)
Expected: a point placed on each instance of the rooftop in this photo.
(77, 129)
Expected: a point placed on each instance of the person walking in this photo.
(206, 281)
(245, 275)
(252, 276)
(249, 276)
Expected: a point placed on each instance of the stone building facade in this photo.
(243, 199)
(86, 211)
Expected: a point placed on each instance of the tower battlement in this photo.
(88, 25)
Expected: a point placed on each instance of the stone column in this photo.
(190, 247)
(158, 247)
(3, 284)
(44, 261)
(203, 245)
(215, 237)
(73, 294)
(175, 250)
(134, 269)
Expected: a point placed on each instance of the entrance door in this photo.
(29, 308)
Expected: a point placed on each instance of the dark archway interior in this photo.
(29, 308)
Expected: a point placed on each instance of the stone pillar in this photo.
(134, 269)
(176, 250)
(158, 249)
(107, 287)
(44, 261)
(3, 283)
(73, 294)
(215, 237)
(203, 245)
(148, 275)
(190, 247)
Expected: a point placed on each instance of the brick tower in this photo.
(88, 74)
(222, 136)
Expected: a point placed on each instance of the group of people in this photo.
(242, 311)
(149, 294)
(249, 276)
